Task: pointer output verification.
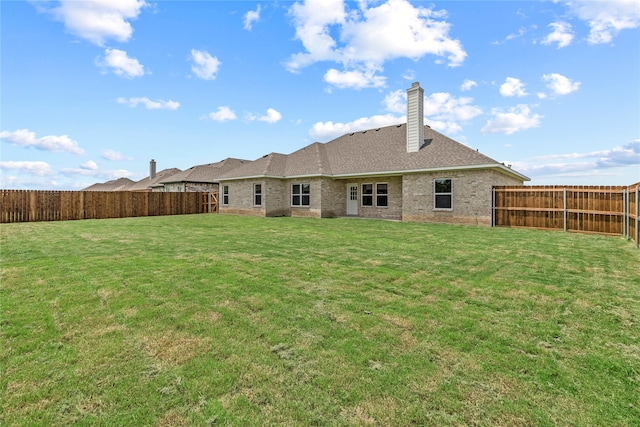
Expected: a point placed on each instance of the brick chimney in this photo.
(152, 169)
(415, 118)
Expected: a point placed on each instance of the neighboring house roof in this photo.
(120, 184)
(148, 182)
(371, 152)
(208, 173)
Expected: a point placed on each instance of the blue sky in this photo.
(92, 90)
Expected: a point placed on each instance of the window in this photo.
(257, 194)
(300, 194)
(225, 194)
(382, 195)
(443, 194)
(367, 194)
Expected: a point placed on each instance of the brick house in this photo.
(405, 172)
(198, 178)
(120, 184)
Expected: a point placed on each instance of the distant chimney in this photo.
(152, 169)
(415, 117)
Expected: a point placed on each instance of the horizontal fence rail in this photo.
(609, 210)
(29, 206)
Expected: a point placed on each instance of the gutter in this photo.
(501, 167)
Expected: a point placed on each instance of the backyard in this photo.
(230, 320)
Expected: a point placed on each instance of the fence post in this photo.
(637, 211)
(493, 206)
(625, 214)
(564, 207)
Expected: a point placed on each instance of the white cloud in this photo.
(149, 104)
(121, 64)
(521, 32)
(272, 116)
(514, 120)
(223, 114)
(398, 29)
(396, 102)
(561, 34)
(111, 155)
(250, 17)
(54, 143)
(442, 104)
(330, 130)
(439, 106)
(90, 165)
(409, 75)
(33, 168)
(365, 37)
(445, 113)
(468, 85)
(559, 84)
(20, 182)
(355, 79)
(442, 111)
(96, 173)
(204, 65)
(582, 164)
(513, 87)
(606, 18)
(312, 20)
(97, 20)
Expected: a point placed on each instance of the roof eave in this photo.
(501, 167)
(236, 178)
(504, 169)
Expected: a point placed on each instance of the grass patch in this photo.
(226, 320)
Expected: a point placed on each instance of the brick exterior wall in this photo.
(241, 198)
(393, 210)
(276, 198)
(471, 196)
(189, 186)
(410, 197)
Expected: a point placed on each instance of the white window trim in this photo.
(255, 194)
(442, 194)
(376, 195)
(301, 184)
(223, 201)
(372, 195)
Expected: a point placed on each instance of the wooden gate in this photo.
(210, 201)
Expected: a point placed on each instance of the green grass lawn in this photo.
(225, 320)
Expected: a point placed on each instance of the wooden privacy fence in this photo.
(27, 206)
(588, 209)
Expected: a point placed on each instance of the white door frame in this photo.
(352, 199)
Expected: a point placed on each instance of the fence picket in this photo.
(28, 206)
(586, 209)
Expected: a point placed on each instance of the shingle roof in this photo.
(120, 184)
(384, 150)
(373, 151)
(208, 173)
(272, 164)
(147, 183)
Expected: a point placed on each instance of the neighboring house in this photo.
(120, 184)
(151, 182)
(406, 172)
(198, 178)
